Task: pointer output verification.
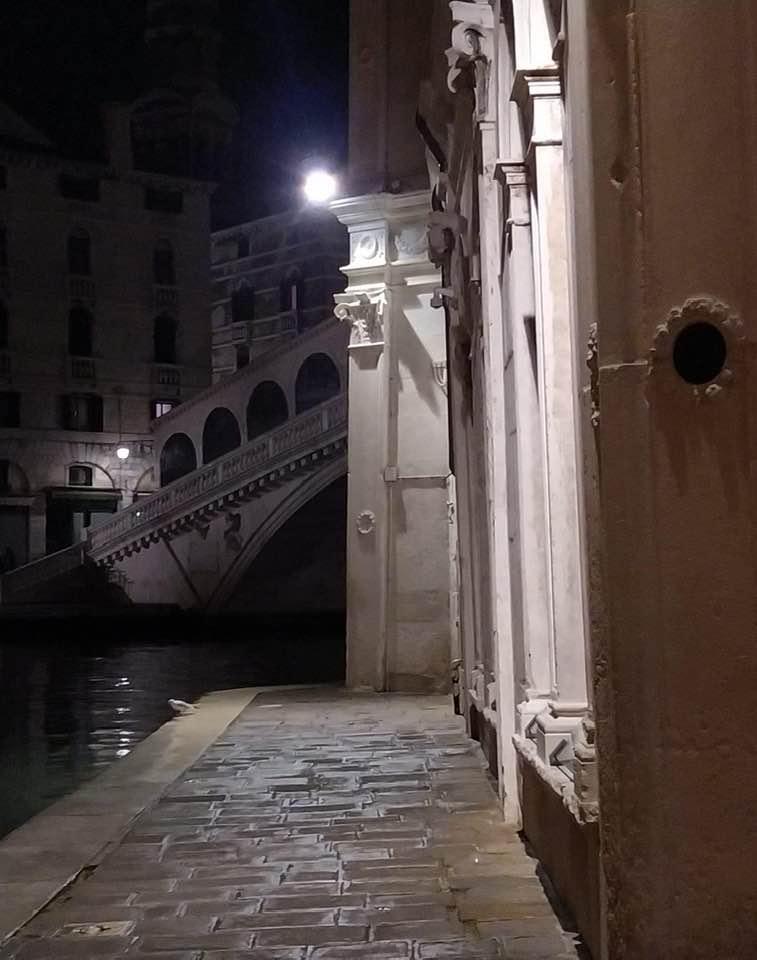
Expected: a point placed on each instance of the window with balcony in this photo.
(292, 298)
(164, 201)
(79, 476)
(159, 408)
(82, 412)
(164, 270)
(79, 254)
(243, 304)
(164, 339)
(10, 409)
(79, 188)
(80, 332)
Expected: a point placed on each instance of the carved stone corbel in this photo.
(471, 54)
(365, 317)
(443, 231)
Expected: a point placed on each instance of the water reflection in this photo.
(67, 710)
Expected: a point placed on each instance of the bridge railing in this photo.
(204, 482)
(19, 582)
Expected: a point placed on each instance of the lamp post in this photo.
(320, 187)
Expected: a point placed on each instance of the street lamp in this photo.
(320, 187)
(123, 453)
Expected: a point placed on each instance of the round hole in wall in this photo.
(699, 353)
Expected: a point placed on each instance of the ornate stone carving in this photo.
(411, 242)
(470, 56)
(368, 247)
(366, 522)
(440, 374)
(365, 317)
(231, 533)
(721, 328)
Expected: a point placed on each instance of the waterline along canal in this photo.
(78, 695)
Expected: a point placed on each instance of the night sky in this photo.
(284, 63)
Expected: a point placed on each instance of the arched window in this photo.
(177, 458)
(292, 293)
(220, 434)
(164, 338)
(164, 271)
(80, 332)
(79, 253)
(267, 409)
(243, 356)
(317, 381)
(3, 326)
(243, 304)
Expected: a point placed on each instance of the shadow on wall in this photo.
(303, 568)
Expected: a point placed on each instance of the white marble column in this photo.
(533, 656)
(539, 97)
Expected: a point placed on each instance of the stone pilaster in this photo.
(538, 94)
(398, 629)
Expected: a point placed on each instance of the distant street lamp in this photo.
(320, 187)
(123, 453)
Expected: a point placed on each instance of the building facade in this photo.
(105, 292)
(272, 279)
(591, 217)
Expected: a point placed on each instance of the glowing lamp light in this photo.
(319, 187)
(122, 453)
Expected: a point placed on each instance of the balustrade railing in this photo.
(16, 583)
(319, 422)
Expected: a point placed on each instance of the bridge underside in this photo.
(209, 563)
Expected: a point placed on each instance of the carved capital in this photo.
(365, 317)
(471, 54)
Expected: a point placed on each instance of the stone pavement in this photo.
(320, 826)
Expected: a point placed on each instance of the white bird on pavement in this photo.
(181, 707)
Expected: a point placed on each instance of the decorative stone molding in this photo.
(538, 94)
(368, 247)
(471, 54)
(365, 317)
(677, 348)
(440, 374)
(410, 242)
(366, 522)
(513, 177)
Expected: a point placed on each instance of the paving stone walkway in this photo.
(321, 826)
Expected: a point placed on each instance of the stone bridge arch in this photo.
(268, 525)
(220, 435)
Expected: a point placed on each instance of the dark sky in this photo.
(284, 62)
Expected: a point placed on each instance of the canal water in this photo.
(78, 695)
